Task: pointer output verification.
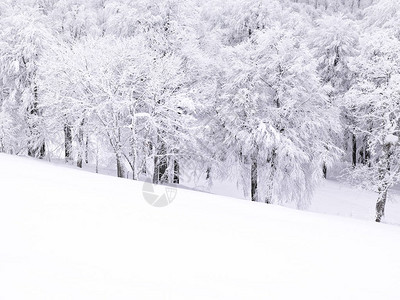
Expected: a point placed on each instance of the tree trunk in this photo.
(208, 173)
(67, 143)
(80, 145)
(324, 170)
(133, 165)
(364, 154)
(384, 184)
(42, 151)
(176, 172)
(35, 149)
(87, 150)
(97, 159)
(380, 205)
(367, 155)
(270, 184)
(144, 167)
(354, 150)
(254, 179)
(132, 140)
(120, 167)
(79, 158)
(134, 160)
(160, 174)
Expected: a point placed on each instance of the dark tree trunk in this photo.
(42, 151)
(68, 143)
(87, 150)
(156, 170)
(208, 173)
(120, 167)
(361, 155)
(176, 172)
(364, 152)
(160, 174)
(324, 170)
(79, 161)
(144, 167)
(42, 148)
(354, 150)
(254, 179)
(35, 149)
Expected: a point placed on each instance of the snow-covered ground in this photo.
(67, 234)
(331, 197)
(339, 199)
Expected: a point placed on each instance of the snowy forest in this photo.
(279, 93)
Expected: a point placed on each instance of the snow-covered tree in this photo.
(168, 29)
(334, 43)
(276, 117)
(376, 97)
(24, 36)
(210, 88)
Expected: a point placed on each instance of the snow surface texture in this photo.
(67, 234)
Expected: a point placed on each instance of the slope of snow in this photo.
(331, 197)
(339, 199)
(67, 234)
